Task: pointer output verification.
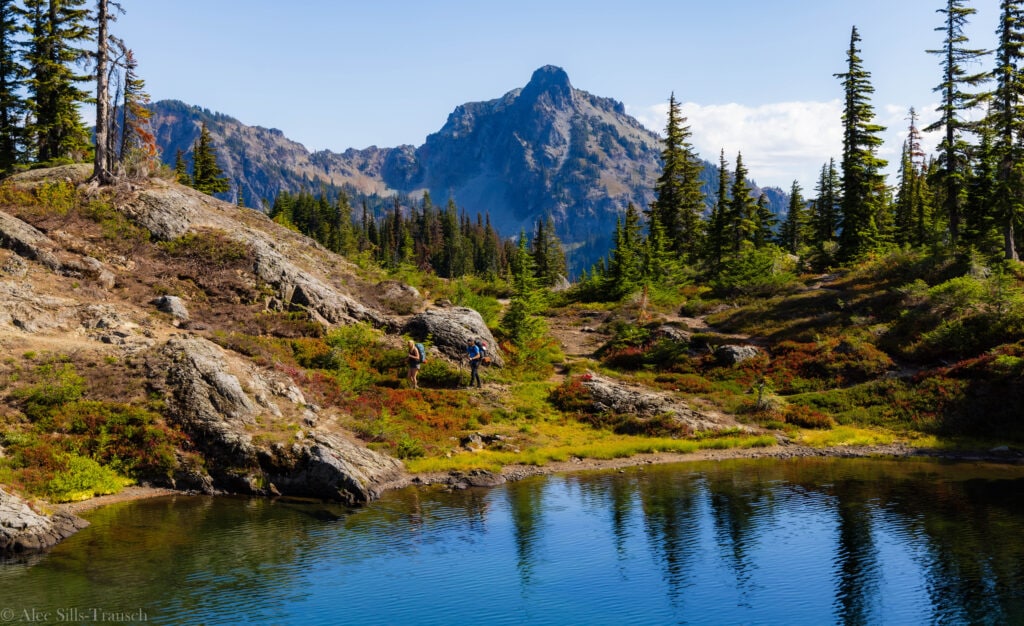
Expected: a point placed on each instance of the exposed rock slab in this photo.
(29, 242)
(610, 395)
(23, 531)
(220, 401)
(169, 212)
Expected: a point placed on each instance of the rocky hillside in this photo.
(155, 333)
(546, 148)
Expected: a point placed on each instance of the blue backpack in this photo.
(422, 351)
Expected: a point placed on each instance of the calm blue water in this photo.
(807, 541)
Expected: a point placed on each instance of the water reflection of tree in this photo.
(856, 553)
(737, 505)
(672, 524)
(974, 557)
(167, 556)
(525, 500)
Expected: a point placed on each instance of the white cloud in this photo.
(781, 142)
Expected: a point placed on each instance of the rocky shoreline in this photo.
(24, 531)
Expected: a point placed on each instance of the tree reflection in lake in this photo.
(805, 541)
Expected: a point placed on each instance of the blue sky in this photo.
(753, 75)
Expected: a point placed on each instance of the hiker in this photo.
(414, 358)
(474, 363)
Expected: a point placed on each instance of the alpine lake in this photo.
(799, 541)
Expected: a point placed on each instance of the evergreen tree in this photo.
(764, 223)
(57, 30)
(548, 256)
(912, 208)
(520, 321)
(956, 101)
(717, 240)
(625, 267)
(679, 202)
(12, 105)
(451, 255)
(741, 218)
(791, 234)
(181, 174)
(1006, 118)
(863, 184)
(825, 219)
(207, 176)
(980, 215)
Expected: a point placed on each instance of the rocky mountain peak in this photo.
(549, 84)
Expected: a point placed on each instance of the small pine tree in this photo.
(207, 176)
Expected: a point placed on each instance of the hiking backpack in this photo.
(422, 351)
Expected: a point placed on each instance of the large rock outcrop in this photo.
(248, 422)
(610, 395)
(294, 266)
(23, 531)
(450, 329)
(28, 242)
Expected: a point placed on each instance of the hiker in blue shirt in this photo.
(474, 363)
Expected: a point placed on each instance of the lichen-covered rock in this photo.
(23, 531)
(450, 329)
(228, 406)
(610, 395)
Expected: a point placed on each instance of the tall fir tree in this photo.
(57, 32)
(764, 222)
(207, 176)
(13, 106)
(548, 255)
(827, 206)
(741, 218)
(956, 101)
(717, 239)
(679, 202)
(1006, 119)
(792, 232)
(863, 184)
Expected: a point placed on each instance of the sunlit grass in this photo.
(846, 436)
(570, 441)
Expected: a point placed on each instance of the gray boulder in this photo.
(450, 329)
(733, 354)
(240, 417)
(172, 305)
(23, 531)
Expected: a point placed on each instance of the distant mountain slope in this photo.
(546, 148)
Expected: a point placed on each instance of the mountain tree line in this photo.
(47, 48)
(441, 240)
(967, 199)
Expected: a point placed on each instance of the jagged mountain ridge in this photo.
(543, 149)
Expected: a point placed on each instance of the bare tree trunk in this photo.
(1009, 245)
(101, 165)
